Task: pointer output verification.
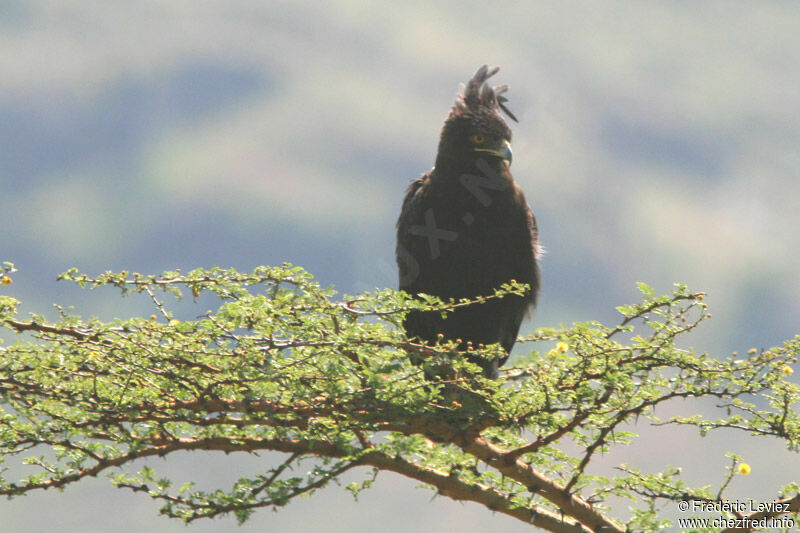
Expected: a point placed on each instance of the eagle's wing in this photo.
(410, 247)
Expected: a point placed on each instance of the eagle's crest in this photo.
(478, 94)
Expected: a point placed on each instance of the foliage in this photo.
(285, 365)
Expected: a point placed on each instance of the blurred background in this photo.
(657, 142)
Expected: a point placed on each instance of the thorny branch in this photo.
(290, 370)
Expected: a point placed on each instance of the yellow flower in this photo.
(561, 347)
(787, 370)
(744, 469)
(6, 280)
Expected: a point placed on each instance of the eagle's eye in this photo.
(478, 138)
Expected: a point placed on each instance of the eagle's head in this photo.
(475, 127)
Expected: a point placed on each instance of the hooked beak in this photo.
(503, 151)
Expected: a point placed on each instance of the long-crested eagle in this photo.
(465, 229)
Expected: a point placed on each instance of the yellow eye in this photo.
(478, 138)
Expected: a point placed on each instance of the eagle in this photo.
(465, 229)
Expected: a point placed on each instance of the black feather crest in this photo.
(477, 93)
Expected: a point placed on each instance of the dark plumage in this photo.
(465, 228)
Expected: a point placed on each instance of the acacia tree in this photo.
(288, 366)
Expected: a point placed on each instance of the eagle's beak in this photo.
(503, 151)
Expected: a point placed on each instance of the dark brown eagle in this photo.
(465, 228)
